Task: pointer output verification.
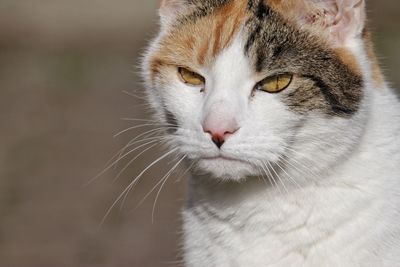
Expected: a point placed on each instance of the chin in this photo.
(225, 169)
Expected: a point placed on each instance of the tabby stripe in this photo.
(330, 97)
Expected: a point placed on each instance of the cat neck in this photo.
(225, 200)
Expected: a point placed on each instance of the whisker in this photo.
(136, 127)
(306, 157)
(131, 143)
(129, 163)
(290, 177)
(130, 186)
(263, 177)
(119, 159)
(132, 160)
(133, 95)
(307, 175)
(266, 169)
(162, 185)
(270, 176)
(149, 121)
(185, 172)
(145, 135)
(124, 200)
(135, 119)
(277, 175)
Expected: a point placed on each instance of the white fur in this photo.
(338, 201)
(347, 216)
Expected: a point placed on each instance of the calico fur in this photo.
(311, 175)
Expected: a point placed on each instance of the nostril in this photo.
(218, 140)
(227, 133)
(219, 137)
(219, 131)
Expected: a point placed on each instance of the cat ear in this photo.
(338, 20)
(170, 9)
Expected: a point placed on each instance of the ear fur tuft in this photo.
(170, 9)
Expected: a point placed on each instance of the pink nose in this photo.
(219, 129)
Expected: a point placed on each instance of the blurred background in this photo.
(66, 72)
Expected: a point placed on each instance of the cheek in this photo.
(182, 101)
(270, 108)
(271, 114)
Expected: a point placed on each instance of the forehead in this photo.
(270, 41)
(200, 35)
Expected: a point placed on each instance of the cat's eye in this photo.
(276, 83)
(190, 77)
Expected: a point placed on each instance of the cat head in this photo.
(256, 87)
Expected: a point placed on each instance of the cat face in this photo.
(252, 88)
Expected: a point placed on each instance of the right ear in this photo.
(171, 9)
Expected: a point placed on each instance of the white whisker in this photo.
(119, 159)
(185, 172)
(262, 172)
(136, 127)
(145, 136)
(132, 160)
(133, 95)
(148, 121)
(277, 175)
(134, 181)
(162, 185)
(266, 169)
(297, 168)
(288, 175)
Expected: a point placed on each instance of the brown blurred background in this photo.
(63, 68)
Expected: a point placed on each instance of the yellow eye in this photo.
(275, 84)
(191, 77)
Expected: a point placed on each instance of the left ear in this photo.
(344, 19)
(341, 20)
(337, 20)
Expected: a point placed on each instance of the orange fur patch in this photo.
(349, 59)
(282, 6)
(289, 9)
(196, 44)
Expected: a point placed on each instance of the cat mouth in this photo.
(224, 158)
(226, 167)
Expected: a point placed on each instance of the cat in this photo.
(290, 129)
